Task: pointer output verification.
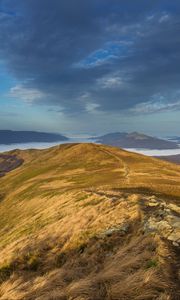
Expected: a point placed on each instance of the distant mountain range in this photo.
(117, 139)
(12, 137)
(171, 158)
(135, 140)
(174, 138)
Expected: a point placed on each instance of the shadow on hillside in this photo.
(113, 265)
(9, 163)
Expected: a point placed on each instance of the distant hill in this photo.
(171, 158)
(88, 221)
(12, 137)
(174, 138)
(135, 140)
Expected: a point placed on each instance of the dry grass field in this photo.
(89, 222)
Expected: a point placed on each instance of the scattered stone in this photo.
(164, 220)
(175, 236)
(153, 204)
(150, 225)
(174, 207)
(174, 221)
(162, 227)
(153, 198)
(115, 199)
(123, 229)
(167, 210)
(110, 231)
(175, 244)
(161, 213)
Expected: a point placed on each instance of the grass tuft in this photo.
(5, 272)
(152, 263)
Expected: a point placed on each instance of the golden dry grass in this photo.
(71, 226)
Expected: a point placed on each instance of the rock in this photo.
(167, 210)
(123, 228)
(153, 204)
(150, 225)
(175, 236)
(113, 199)
(162, 227)
(152, 198)
(161, 213)
(174, 221)
(175, 244)
(110, 231)
(174, 207)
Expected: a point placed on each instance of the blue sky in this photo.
(90, 67)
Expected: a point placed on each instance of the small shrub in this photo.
(33, 261)
(83, 197)
(61, 259)
(5, 272)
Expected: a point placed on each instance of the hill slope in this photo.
(86, 222)
(135, 140)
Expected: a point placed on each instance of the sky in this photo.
(88, 67)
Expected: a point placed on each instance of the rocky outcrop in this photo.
(9, 163)
(157, 216)
(162, 218)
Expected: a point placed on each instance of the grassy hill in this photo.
(89, 222)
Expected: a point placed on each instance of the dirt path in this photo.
(125, 166)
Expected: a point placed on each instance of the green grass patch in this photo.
(152, 263)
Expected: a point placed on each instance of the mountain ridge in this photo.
(88, 221)
(171, 158)
(12, 137)
(135, 140)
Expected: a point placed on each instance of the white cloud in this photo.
(151, 17)
(152, 107)
(26, 94)
(164, 18)
(89, 105)
(110, 82)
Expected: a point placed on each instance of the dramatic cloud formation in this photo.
(89, 56)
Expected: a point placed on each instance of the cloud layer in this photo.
(86, 56)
